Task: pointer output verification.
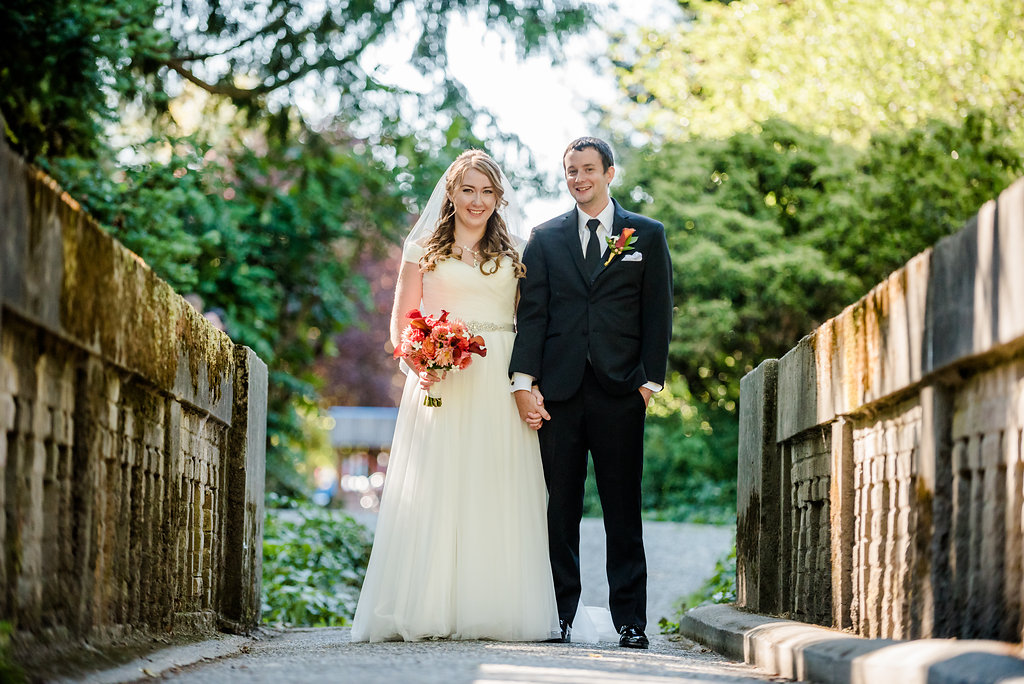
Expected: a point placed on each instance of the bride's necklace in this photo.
(474, 252)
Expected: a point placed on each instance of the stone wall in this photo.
(132, 439)
(881, 477)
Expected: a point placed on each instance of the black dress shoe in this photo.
(566, 629)
(566, 633)
(631, 636)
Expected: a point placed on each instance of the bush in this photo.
(314, 561)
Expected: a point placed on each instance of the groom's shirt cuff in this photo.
(521, 381)
(654, 387)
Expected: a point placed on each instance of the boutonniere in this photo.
(617, 244)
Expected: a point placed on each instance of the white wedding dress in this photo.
(461, 548)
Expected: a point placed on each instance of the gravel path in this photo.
(680, 557)
(325, 655)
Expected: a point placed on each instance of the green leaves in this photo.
(314, 560)
(250, 151)
(60, 63)
(748, 281)
(844, 68)
(772, 233)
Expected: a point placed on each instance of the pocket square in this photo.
(635, 256)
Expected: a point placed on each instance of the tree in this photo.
(842, 68)
(919, 186)
(772, 233)
(798, 151)
(59, 63)
(264, 207)
(748, 281)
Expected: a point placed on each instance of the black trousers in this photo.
(611, 429)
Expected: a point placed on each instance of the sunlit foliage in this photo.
(251, 152)
(842, 68)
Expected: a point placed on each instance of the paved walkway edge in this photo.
(163, 660)
(803, 652)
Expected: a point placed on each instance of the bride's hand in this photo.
(429, 377)
(531, 407)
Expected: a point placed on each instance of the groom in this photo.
(594, 322)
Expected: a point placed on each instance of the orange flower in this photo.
(623, 236)
(429, 348)
(623, 242)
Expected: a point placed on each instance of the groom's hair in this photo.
(603, 148)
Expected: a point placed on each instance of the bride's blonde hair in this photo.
(496, 242)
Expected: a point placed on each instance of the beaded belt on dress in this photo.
(477, 327)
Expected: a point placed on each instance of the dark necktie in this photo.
(593, 254)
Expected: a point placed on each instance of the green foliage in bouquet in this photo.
(314, 561)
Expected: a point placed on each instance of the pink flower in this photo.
(444, 357)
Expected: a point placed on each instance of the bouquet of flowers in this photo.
(437, 344)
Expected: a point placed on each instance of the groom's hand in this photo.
(536, 419)
(541, 411)
(525, 403)
(531, 410)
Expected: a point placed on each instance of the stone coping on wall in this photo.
(954, 303)
(63, 273)
(801, 652)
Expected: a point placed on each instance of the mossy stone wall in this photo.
(133, 440)
(887, 497)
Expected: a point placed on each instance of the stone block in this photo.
(1010, 240)
(245, 465)
(950, 312)
(842, 516)
(14, 219)
(959, 455)
(797, 391)
(905, 464)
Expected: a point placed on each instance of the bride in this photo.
(461, 547)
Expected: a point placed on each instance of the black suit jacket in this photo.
(620, 316)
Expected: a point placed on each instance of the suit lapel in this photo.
(571, 238)
(618, 223)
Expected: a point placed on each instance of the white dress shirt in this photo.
(606, 217)
(522, 381)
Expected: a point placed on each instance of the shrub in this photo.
(314, 561)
